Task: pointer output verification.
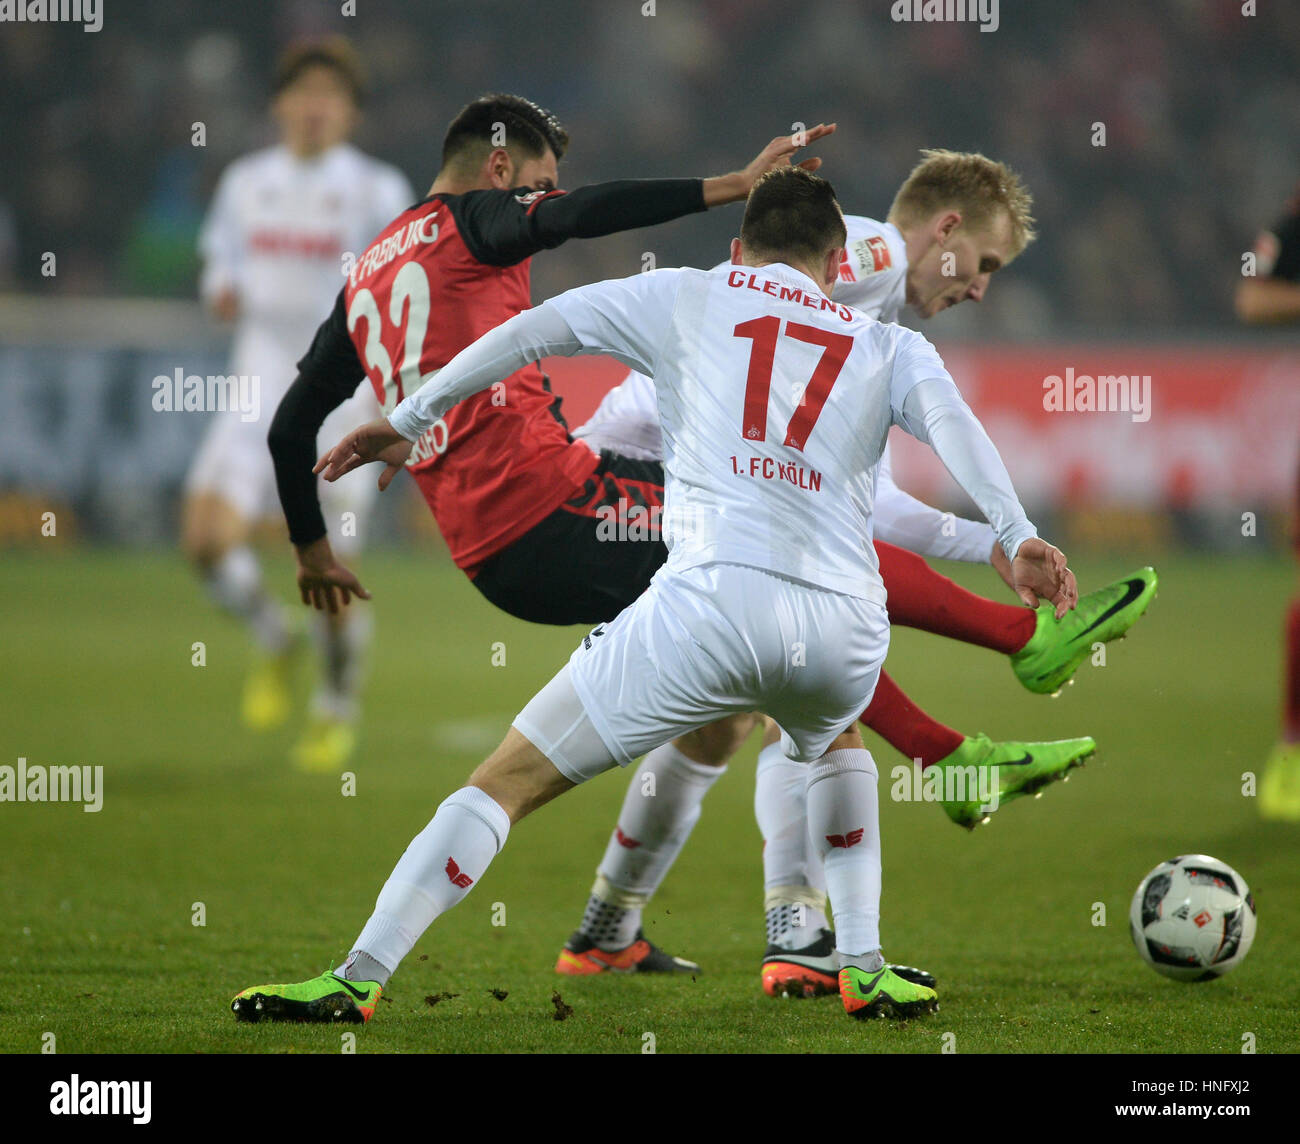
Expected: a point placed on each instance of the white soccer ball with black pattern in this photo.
(1193, 918)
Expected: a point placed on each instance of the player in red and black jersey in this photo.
(502, 466)
(1270, 297)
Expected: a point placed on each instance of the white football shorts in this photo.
(233, 460)
(704, 643)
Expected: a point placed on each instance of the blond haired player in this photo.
(957, 219)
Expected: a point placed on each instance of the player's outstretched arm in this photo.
(526, 337)
(502, 228)
(735, 187)
(899, 518)
(933, 411)
(624, 317)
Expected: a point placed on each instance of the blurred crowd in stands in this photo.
(1200, 107)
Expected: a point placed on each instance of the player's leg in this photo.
(842, 665)
(1279, 788)
(844, 819)
(1044, 651)
(663, 799)
(618, 697)
(660, 809)
(588, 560)
(434, 874)
(224, 493)
(799, 960)
(1279, 791)
(1009, 767)
(343, 638)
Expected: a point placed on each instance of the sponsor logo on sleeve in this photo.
(865, 257)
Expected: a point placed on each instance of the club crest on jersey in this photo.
(531, 197)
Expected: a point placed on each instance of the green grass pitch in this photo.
(100, 949)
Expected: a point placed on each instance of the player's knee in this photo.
(203, 548)
(209, 529)
(713, 745)
(850, 740)
(519, 777)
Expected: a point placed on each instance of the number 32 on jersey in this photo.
(410, 285)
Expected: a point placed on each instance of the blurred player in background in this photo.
(1272, 297)
(274, 245)
(956, 220)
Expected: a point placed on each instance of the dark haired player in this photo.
(441, 274)
(274, 246)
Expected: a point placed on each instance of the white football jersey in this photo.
(873, 270)
(775, 402)
(279, 230)
(872, 279)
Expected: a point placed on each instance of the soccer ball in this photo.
(1193, 918)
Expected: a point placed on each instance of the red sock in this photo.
(919, 597)
(904, 726)
(1291, 715)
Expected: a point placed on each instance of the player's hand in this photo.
(374, 441)
(736, 186)
(225, 306)
(1040, 572)
(1001, 565)
(322, 581)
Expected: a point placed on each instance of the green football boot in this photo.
(325, 999)
(1057, 647)
(1279, 787)
(882, 993)
(979, 767)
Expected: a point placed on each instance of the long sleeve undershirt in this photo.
(933, 411)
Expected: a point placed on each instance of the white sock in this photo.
(795, 883)
(843, 818)
(612, 918)
(235, 584)
(342, 648)
(661, 807)
(440, 865)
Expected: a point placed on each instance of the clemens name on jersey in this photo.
(774, 401)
